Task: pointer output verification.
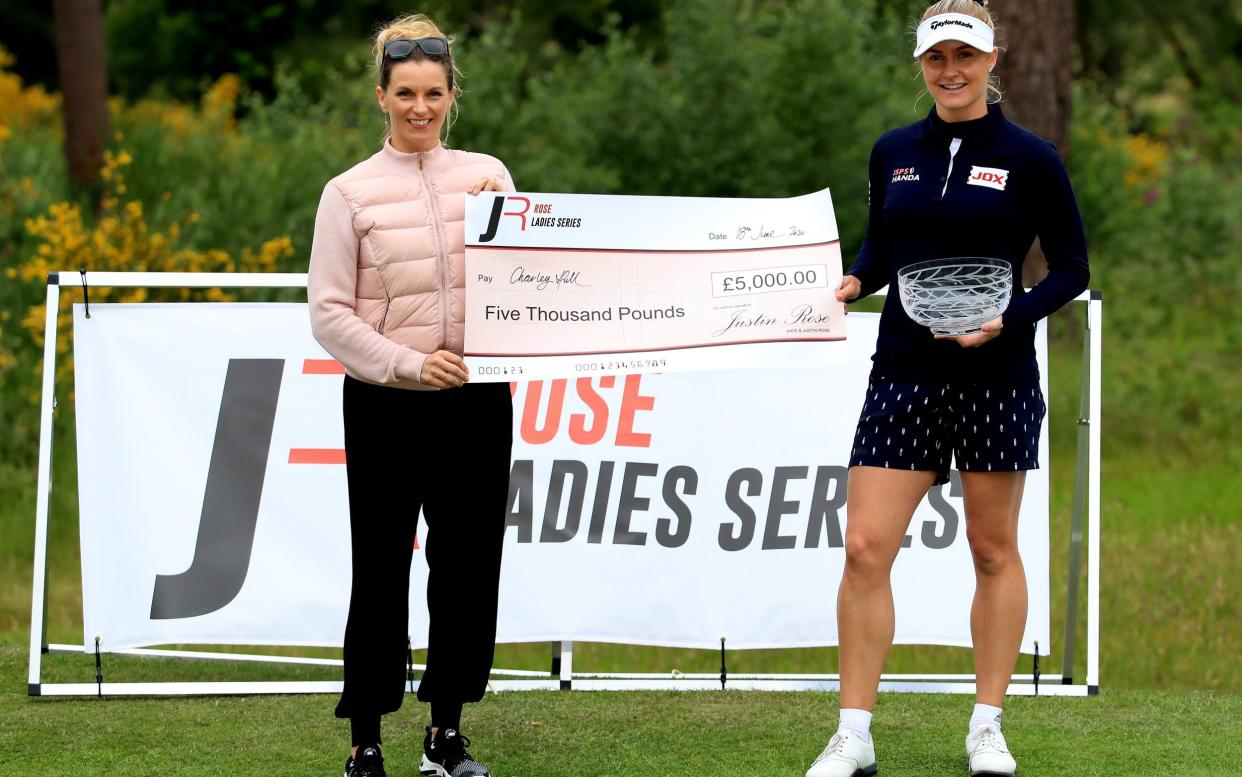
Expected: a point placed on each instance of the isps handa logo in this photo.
(518, 207)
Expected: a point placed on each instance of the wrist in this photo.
(409, 365)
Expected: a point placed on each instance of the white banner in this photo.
(656, 509)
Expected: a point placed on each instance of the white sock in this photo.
(858, 721)
(985, 713)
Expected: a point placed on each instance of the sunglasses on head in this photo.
(400, 48)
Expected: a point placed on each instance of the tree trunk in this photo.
(82, 61)
(1036, 73)
(1036, 69)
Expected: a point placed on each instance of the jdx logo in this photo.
(498, 210)
(991, 177)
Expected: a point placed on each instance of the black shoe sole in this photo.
(870, 771)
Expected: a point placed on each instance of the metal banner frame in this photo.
(1086, 509)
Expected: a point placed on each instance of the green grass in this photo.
(634, 734)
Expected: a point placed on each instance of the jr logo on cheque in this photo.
(519, 207)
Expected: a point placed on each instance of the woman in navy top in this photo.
(964, 182)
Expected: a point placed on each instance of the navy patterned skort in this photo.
(926, 426)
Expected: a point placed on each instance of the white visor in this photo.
(954, 26)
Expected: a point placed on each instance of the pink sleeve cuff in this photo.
(407, 364)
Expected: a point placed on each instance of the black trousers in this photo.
(446, 452)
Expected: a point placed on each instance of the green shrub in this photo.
(1162, 224)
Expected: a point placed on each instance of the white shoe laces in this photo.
(834, 748)
(990, 738)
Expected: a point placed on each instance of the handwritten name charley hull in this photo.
(561, 315)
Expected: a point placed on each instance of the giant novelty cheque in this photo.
(570, 285)
(656, 497)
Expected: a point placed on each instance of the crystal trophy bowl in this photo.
(955, 296)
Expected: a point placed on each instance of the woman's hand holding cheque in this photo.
(444, 369)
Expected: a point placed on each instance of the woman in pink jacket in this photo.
(386, 291)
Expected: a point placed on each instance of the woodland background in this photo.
(173, 135)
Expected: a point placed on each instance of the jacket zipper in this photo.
(441, 256)
(954, 145)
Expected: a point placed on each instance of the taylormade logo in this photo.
(958, 22)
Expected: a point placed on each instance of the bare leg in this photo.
(881, 503)
(998, 616)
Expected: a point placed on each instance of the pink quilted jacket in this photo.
(387, 265)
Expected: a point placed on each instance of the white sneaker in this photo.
(989, 755)
(847, 755)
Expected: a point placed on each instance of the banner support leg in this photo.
(567, 666)
(1095, 316)
(38, 597)
(1078, 506)
(1035, 667)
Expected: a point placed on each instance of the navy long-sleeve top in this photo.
(979, 188)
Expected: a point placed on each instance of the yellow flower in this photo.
(175, 117)
(22, 106)
(220, 101)
(1148, 160)
(119, 239)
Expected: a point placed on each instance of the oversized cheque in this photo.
(564, 285)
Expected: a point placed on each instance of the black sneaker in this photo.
(446, 756)
(368, 763)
